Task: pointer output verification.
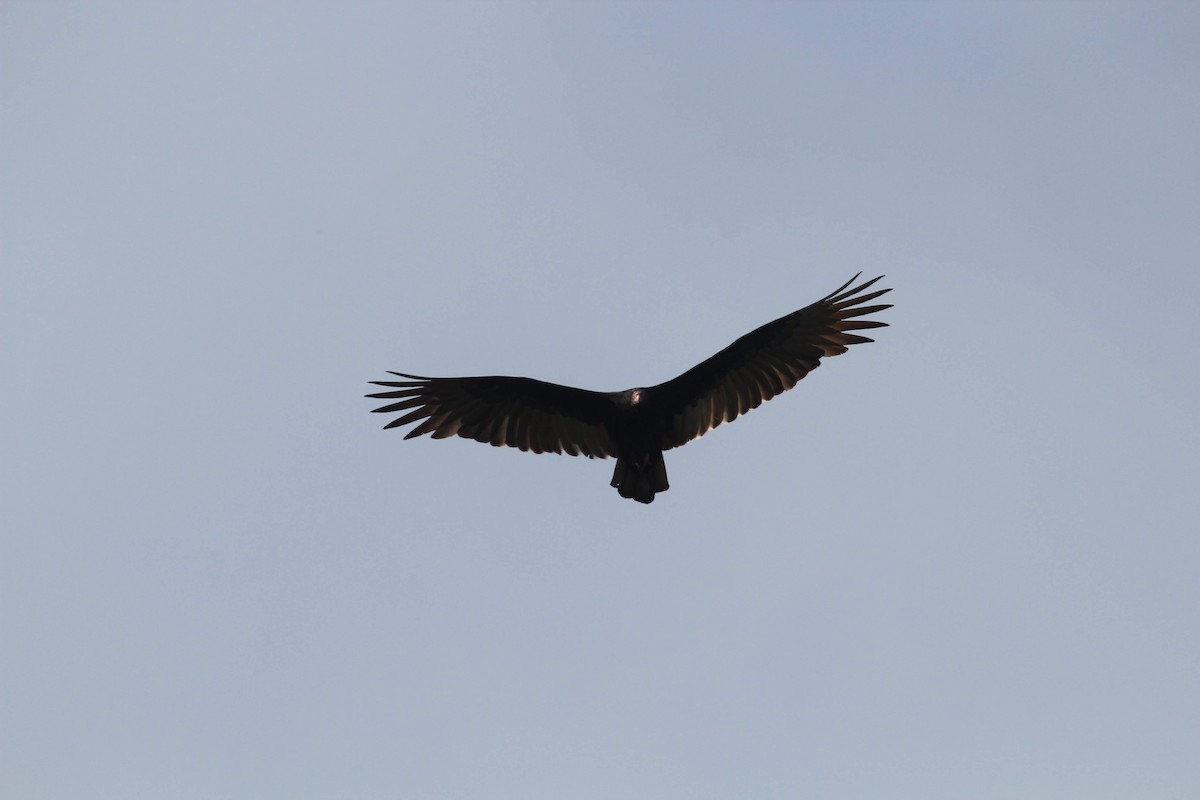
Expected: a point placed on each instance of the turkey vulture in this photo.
(637, 425)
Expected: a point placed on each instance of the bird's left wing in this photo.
(765, 362)
(504, 412)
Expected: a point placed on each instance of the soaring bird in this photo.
(637, 425)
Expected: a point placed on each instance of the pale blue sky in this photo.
(959, 562)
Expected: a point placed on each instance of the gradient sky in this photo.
(960, 562)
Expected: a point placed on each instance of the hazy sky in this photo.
(961, 562)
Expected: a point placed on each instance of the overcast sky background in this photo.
(960, 562)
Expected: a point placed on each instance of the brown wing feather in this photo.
(502, 411)
(765, 362)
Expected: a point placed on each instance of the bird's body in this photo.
(635, 426)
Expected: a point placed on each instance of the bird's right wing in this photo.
(504, 412)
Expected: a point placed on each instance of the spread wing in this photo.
(765, 362)
(504, 412)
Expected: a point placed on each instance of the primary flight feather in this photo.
(637, 425)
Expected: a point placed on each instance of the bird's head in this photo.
(634, 397)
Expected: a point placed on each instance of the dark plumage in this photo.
(637, 425)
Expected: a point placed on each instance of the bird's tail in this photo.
(641, 477)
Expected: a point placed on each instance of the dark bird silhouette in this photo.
(637, 425)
